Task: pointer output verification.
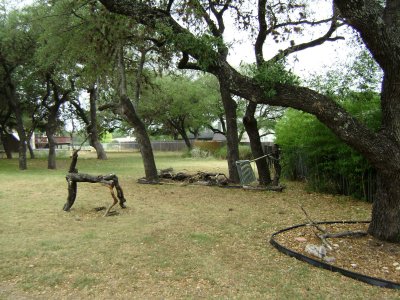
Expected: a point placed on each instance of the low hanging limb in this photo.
(73, 177)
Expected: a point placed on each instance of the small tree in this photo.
(179, 103)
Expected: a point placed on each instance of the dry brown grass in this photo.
(172, 242)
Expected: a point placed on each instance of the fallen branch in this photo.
(314, 224)
(325, 235)
(357, 233)
(110, 180)
(273, 188)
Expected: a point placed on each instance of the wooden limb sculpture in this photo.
(110, 180)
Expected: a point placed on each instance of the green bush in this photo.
(210, 146)
(244, 152)
(311, 151)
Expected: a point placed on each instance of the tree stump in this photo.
(110, 180)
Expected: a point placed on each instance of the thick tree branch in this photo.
(80, 111)
(185, 64)
(262, 32)
(368, 18)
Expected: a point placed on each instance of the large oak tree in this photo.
(378, 25)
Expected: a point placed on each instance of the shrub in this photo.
(244, 152)
(311, 151)
(210, 146)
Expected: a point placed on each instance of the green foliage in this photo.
(244, 152)
(210, 146)
(270, 74)
(361, 75)
(178, 104)
(107, 137)
(312, 151)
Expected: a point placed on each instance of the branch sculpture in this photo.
(110, 180)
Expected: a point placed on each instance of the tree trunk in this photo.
(179, 126)
(385, 221)
(51, 160)
(93, 130)
(7, 150)
(16, 108)
(232, 140)
(385, 218)
(250, 123)
(142, 137)
(129, 112)
(31, 152)
(187, 140)
(276, 156)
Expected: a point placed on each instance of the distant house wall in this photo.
(61, 142)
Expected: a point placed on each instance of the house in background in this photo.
(62, 142)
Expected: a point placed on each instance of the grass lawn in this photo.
(172, 242)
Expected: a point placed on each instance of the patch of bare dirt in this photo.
(365, 255)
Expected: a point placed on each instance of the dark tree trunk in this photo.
(129, 113)
(50, 131)
(51, 128)
(385, 221)
(179, 126)
(31, 152)
(250, 123)
(60, 96)
(3, 134)
(142, 137)
(16, 108)
(232, 140)
(7, 149)
(187, 140)
(92, 128)
(276, 156)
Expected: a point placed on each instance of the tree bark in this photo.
(4, 133)
(179, 125)
(16, 108)
(30, 149)
(129, 112)
(51, 128)
(186, 140)
(250, 124)
(232, 140)
(276, 156)
(29, 137)
(7, 150)
(385, 222)
(60, 96)
(92, 127)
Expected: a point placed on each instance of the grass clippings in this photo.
(171, 242)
